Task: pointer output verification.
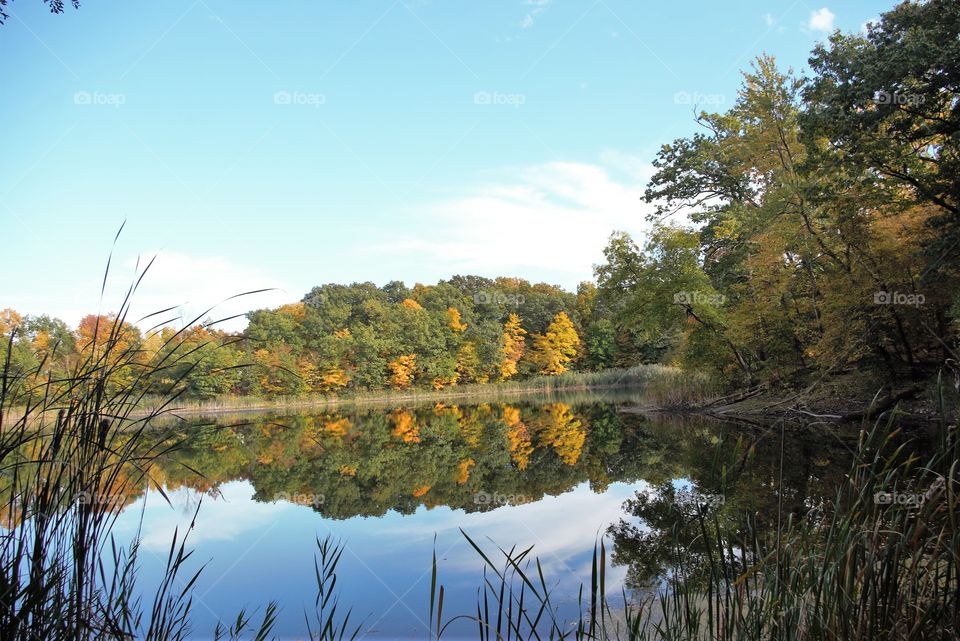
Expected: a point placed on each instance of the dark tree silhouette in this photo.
(56, 6)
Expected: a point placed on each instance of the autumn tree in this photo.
(456, 324)
(402, 370)
(468, 365)
(557, 347)
(512, 346)
(10, 320)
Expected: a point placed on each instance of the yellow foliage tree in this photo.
(402, 371)
(294, 310)
(334, 379)
(9, 319)
(327, 380)
(95, 334)
(512, 346)
(152, 344)
(440, 382)
(554, 349)
(41, 342)
(468, 364)
(278, 376)
(409, 303)
(455, 323)
(307, 370)
(118, 341)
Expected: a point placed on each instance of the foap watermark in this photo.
(110, 501)
(499, 99)
(300, 498)
(898, 498)
(698, 298)
(691, 498)
(99, 99)
(907, 499)
(496, 298)
(495, 498)
(698, 98)
(314, 300)
(893, 98)
(712, 501)
(299, 99)
(897, 298)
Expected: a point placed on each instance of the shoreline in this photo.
(911, 407)
(657, 383)
(493, 394)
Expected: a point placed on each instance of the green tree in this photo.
(600, 343)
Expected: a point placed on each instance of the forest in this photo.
(808, 233)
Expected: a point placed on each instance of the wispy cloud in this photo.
(538, 6)
(232, 515)
(195, 284)
(190, 284)
(551, 220)
(561, 550)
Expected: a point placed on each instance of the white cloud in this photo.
(231, 514)
(550, 221)
(821, 20)
(195, 284)
(189, 284)
(560, 549)
(769, 20)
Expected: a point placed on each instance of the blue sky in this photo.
(292, 144)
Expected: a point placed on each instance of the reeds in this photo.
(881, 561)
(70, 457)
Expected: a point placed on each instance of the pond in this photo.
(397, 485)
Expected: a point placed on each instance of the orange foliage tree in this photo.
(402, 370)
(512, 346)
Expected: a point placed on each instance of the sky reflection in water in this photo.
(259, 552)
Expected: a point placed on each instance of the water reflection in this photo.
(368, 463)
(552, 474)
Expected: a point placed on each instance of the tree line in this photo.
(341, 338)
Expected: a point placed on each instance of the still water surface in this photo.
(395, 484)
